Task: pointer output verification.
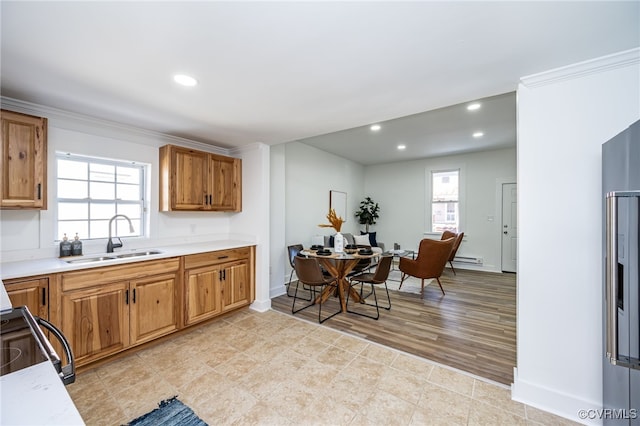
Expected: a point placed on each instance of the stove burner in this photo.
(14, 354)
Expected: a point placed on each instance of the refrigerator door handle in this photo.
(611, 280)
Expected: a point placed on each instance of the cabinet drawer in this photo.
(215, 257)
(108, 274)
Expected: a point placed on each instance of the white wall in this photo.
(402, 190)
(564, 116)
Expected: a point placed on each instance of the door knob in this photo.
(505, 232)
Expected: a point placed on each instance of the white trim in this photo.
(261, 305)
(581, 69)
(552, 401)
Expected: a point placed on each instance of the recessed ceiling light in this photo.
(375, 127)
(401, 147)
(478, 134)
(474, 106)
(185, 80)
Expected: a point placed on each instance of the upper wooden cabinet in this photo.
(23, 161)
(196, 180)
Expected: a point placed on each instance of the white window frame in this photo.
(429, 197)
(144, 181)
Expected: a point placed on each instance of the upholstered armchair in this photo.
(430, 262)
(445, 236)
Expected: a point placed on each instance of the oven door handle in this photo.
(68, 373)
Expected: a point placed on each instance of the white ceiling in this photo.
(275, 72)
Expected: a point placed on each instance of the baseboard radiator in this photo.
(468, 259)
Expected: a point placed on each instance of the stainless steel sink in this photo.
(138, 253)
(114, 256)
(90, 259)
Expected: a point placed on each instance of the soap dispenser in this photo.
(65, 247)
(76, 246)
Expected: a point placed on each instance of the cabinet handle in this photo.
(134, 295)
(224, 275)
(222, 257)
(210, 200)
(39, 191)
(219, 275)
(126, 297)
(44, 296)
(206, 199)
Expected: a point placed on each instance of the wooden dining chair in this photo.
(376, 278)
(430, 262)
(309, 273)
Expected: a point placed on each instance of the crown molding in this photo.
(93, 125)
(581, 69)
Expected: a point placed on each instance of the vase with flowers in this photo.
(335, 222)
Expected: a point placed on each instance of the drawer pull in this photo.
(222, 257)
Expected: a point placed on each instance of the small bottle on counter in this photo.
(76, 246)
(65, 247)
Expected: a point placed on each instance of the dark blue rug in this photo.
(170, 412)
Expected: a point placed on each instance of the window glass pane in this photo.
(71, 227)
(102, 191)
(102, 211)
(128, 192)
(72, 169)
(128, 175)
(72, 189)
(69, 211)
(445, 186)
(98, 229)
(102, 172)
(133, 211)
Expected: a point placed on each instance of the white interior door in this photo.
(509, 227)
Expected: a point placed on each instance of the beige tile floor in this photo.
(273, 369)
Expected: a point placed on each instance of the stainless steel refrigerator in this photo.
(621, 363)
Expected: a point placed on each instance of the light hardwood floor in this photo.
(471, 328)
(250, 368)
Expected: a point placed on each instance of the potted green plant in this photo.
(368, 213)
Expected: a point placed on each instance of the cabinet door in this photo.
(235, 286)
(225, 186)
(23, 159)
(202, 294)
(190, 177)
(34, 294)
(96, 320)
(152, 307)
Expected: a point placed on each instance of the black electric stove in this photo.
(23, 344)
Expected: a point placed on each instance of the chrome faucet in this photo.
(110, 244)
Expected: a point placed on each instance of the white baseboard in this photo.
(552, 401)
(261, 305)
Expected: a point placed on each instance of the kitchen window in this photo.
(90, 191)
(445, 200)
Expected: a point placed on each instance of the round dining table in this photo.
(339, 265)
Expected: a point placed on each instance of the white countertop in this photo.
(36, 396)
(33, 267)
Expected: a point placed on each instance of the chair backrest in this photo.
(433, 256)
(293, 252)
(456, 244)
(308, 271)
(382, 271)
(447, 234)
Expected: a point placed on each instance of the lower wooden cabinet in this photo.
(30, 292)
(217, 282)
(106, 310)
(101, 317)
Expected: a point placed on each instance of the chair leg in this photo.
(289, 284)
(438, 279)
(402, 280)
(373, 290)
(320, 320)
(295, 297)
(388, 298)
(452, 268)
